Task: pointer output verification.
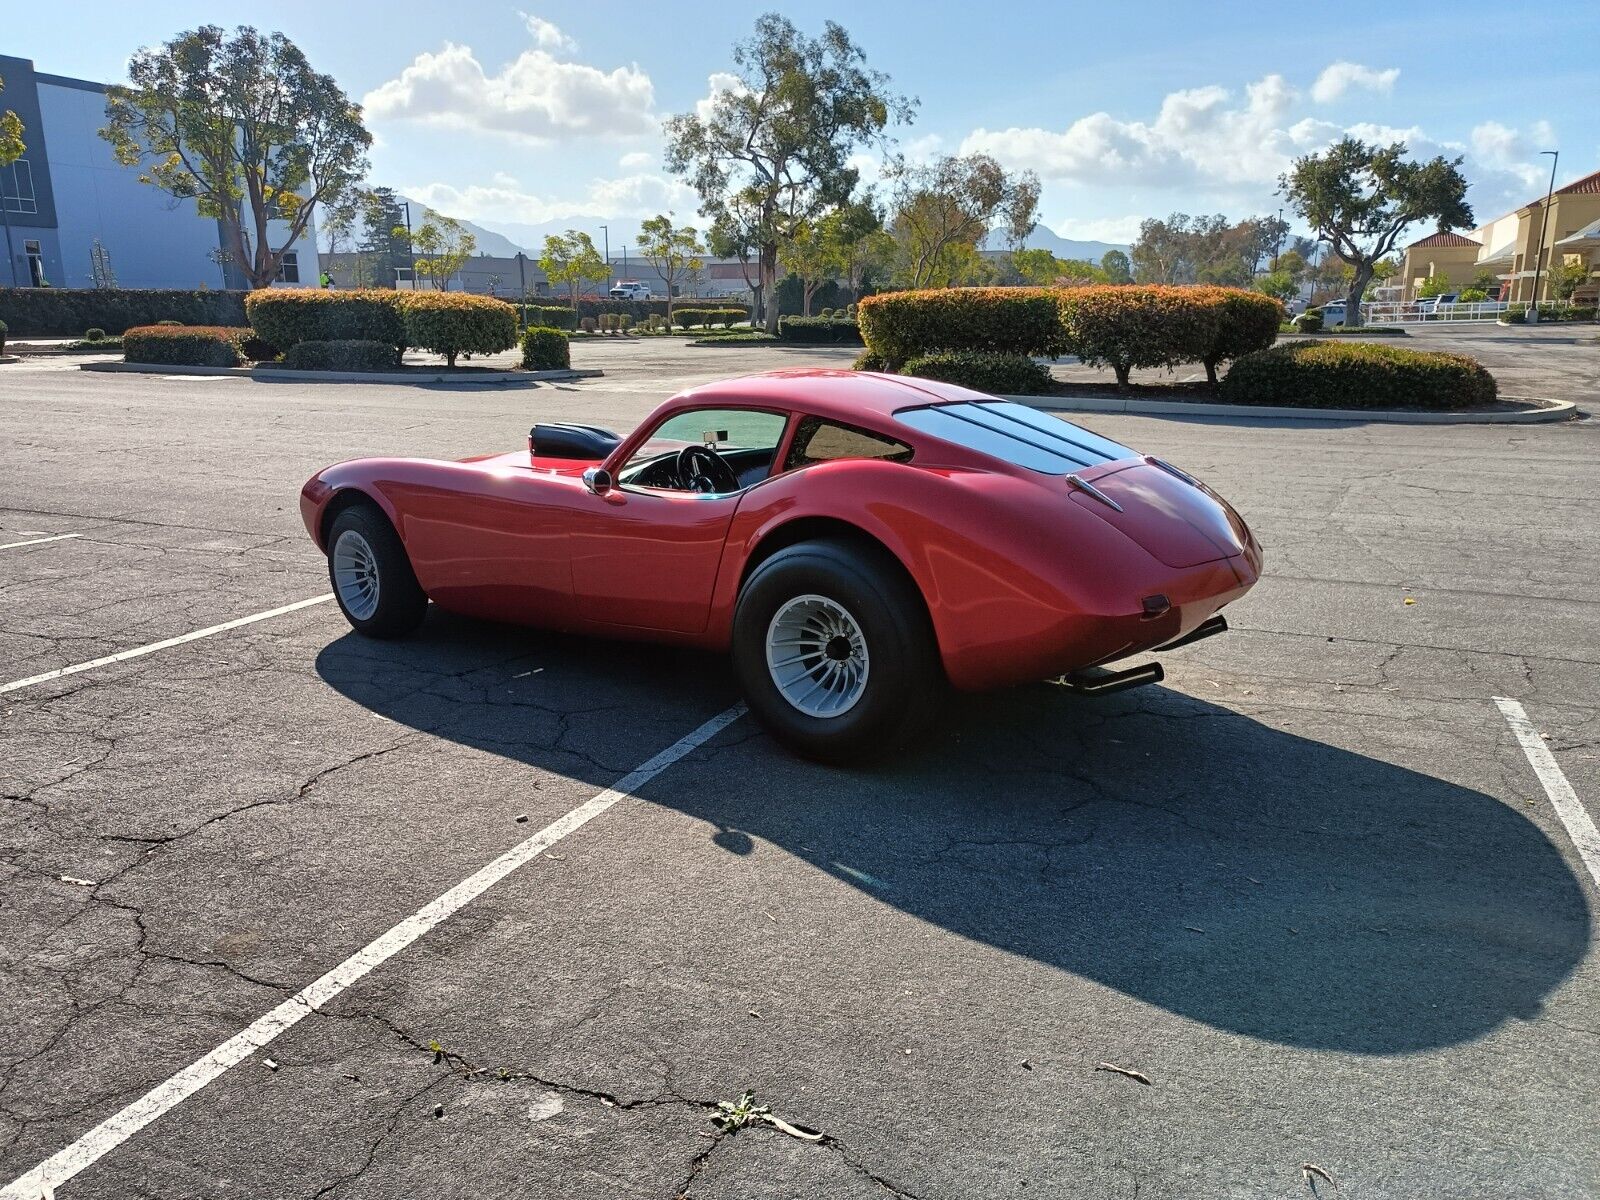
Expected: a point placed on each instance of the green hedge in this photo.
(1308, 322)
(1357, 375)
(1144, 326)
(454, 323)
(55, 312)
(898, 326)
(342, 354)
(186, 345)
(983, 371)
(545, 349)
(1244, 322)
(835, 331)
(285, 317)
(549, 317)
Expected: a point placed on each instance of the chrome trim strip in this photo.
(1090, 489)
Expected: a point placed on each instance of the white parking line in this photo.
(140, 651)
(1580, 826)
(39, 541)
(115, 1130)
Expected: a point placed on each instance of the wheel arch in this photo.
(347, 498)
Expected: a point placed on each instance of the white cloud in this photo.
(536, 97)
(626, 196)
(716, 83)
(635, 159)
(1199, 133)
(1338, 78)
(546, 35)
(1099, 229)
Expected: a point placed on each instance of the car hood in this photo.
(1178, 520)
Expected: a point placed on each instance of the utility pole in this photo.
(522, 274)
(605, 231)
(1538, 250)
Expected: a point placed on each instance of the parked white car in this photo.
(630, 289)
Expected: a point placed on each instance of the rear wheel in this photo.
(371, 574)
(834, 650)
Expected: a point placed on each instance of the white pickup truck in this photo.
(630, 289)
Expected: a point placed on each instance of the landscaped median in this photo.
(357, 336)
(991, 340)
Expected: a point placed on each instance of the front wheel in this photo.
(371, 575)
(834, 650)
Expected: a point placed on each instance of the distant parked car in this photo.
(630, 289)
(1443, 300)
(1333, 314)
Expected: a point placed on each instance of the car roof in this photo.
(837, 395)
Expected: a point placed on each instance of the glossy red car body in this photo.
(1025, 575)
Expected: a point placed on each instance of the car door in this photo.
(645, 553)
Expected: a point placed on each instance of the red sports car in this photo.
(856, 540)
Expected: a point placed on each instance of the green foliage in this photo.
(689, 318)
(285, 317)
(570, 260)
(1471, 295)
(588, 324)
(834, 331)
(63, 312)
(1244, 322)
(545, 349)
(983, 371)
(1485, 281)
(868, 361)
(774, 149)
(1361, 198)
(342, 354)
(244, 127)
(726, 317)
(1357, 375)
(673, 250)
(1116, 266)
(1567, 277)
(942, 211)
(1434, 285)
(1280, 285)
(1515, 314)
(550, 317)
(454, 323)
(12, 146)
(1308, 322)
(442, 245)
(897, 326)
(94, 334)
(186, 345)
(1151, 325)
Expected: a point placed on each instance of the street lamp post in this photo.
(605, 232)
(1538, 250)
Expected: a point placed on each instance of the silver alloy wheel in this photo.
(355, 574)
(817, 656)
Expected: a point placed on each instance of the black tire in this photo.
(904, 681)
(401, 602)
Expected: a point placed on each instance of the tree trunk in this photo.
(810, 291)
(769, 286)
(1358, 289)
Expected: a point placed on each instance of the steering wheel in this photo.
(703, 470)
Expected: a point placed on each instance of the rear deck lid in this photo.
(1180, 522)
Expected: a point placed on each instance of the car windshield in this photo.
(1015, 434)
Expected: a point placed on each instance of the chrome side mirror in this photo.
(597, 480)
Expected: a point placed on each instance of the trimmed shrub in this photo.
(455, 323)
(545, 349)
(835, 331)
(726, 317)
(689, 318)
(1245, 322)
(1515, 314)
(1308, 322)
(94, 334)
(587, 324)
(868, 361)
(1123, 327)
(4, 329)
(284, 317)
(344, 354)
(185, 345)
(63, 312)
(169, 321)
(983, 371)
(898, 326)
(1357, 375)
(624, 322)
(549, 316)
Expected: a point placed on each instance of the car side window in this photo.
(744, 441)
(816, 440)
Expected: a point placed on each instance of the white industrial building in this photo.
(75, 217)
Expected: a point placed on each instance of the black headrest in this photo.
(562, 440)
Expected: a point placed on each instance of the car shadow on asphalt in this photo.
(1190, 856)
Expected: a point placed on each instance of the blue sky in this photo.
(550, 112)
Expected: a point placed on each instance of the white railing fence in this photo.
(1418, 312)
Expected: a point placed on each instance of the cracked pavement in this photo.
(1309, 888)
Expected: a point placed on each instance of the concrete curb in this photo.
(1553, 410)
(442, 375)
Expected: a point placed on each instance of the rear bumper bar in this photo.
(1210, 627)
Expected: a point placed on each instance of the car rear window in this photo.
(1016, 434)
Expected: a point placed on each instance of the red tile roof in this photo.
(1588, 185)
(1442, 239)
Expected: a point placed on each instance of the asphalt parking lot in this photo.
(1310, 895)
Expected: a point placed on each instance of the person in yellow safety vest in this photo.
(325, 280)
